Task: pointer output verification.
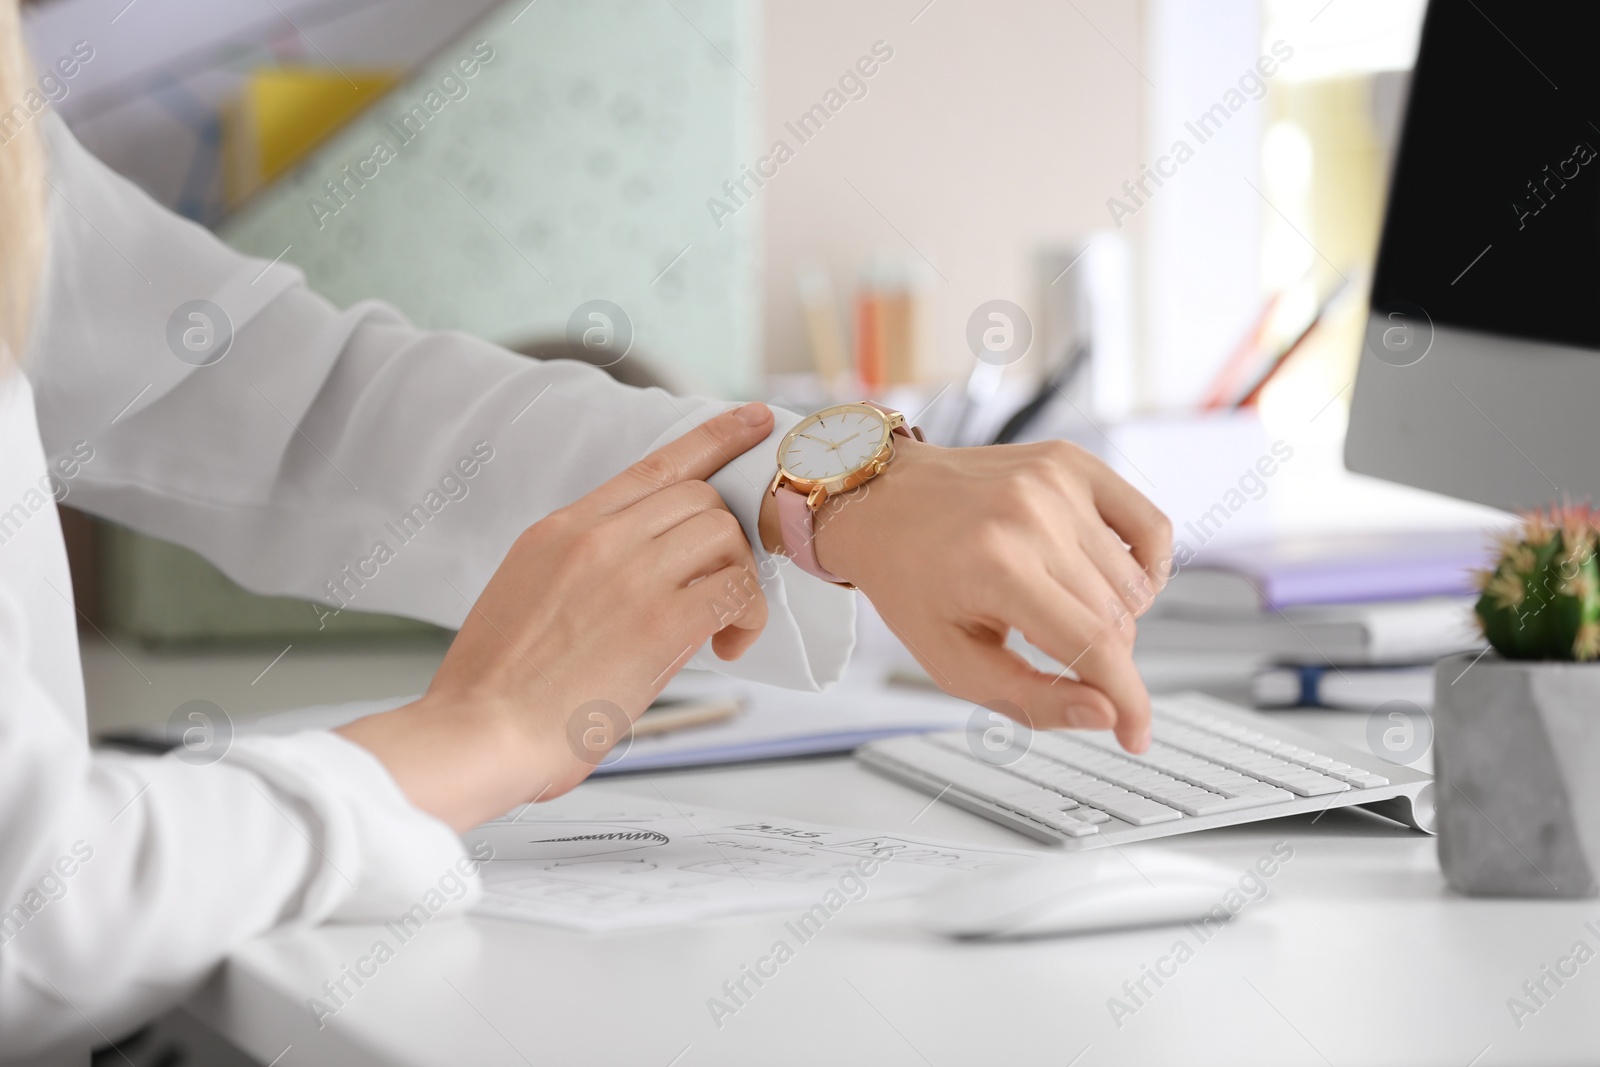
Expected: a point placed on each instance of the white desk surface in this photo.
(1359, 956)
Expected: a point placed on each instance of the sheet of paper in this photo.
(603, 860)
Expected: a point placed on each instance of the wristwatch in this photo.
(827, 453)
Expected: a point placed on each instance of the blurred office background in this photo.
(942, 163)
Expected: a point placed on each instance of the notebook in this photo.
(1350, 568)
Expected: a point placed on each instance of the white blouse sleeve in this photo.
(320, 436)
(128, 878)
(327, 453)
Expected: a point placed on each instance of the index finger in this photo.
(693, 457)
(1072, 633)
(1111, 670)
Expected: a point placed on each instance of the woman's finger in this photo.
(1079, 576)
(695, 456)
(979, 667)
(701, 545)
(660, 512)
(1134, 589)
(1145, 528)
(735, 605)
(1087, 642)
(708, 558)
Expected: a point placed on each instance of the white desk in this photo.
(1358, 957)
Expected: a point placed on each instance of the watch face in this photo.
(834, 442)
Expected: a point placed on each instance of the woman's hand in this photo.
(594, 608)
(956, 547)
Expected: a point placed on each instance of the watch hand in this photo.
(837, 444)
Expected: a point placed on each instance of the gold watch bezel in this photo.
(817, 490)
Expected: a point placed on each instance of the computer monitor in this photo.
(1480, 372)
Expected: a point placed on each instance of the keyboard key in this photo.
(1193, 786)
(1126, 774)
(996, 784)
(1359, 777)
(940, 756)
(1132, 808)
(1084, 784)
(1257, 764)
(1073, 823)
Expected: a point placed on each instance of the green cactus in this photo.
(1542, 598)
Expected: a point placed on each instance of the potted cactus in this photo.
(1517, 728)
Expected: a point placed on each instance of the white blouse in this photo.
(125, 879)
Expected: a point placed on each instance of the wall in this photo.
(571, 168)
(994, 128)
(1201, 230)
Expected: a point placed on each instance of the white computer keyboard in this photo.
(1210, 764)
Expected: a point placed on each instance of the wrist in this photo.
(852, 528)
(840, 526)
(462, 759)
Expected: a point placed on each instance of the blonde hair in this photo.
(22, 217)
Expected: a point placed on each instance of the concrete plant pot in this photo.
(1517, 763)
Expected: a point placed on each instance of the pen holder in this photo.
(1517, 759)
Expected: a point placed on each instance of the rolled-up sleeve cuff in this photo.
(811, 624)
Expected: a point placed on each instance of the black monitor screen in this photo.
(1494, 213)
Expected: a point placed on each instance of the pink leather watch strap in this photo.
(797, 523)
(799, 529)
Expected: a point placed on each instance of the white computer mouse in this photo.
(1084, 892)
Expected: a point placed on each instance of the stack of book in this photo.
(1350, 620)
